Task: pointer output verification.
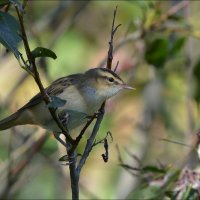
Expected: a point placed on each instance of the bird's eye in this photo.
(111, 79)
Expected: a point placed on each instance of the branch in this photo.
(74, 176)
(75, 171)
(90, 141)
(131, 37)
(32, 69)
(32, 66)
(110, 51)
(62, 27)
(101, 111)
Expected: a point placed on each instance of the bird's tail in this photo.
(10, 121)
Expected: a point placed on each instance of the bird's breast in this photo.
(80, 101)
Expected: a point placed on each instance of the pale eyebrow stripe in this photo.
(102, 76)
(110, 71)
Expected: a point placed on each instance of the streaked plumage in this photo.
(84, 94)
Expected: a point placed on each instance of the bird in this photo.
(83, 95)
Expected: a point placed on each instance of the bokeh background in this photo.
(157, 47)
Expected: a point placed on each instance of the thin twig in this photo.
(32, 66)
(75, 171)
(90, 141)
(105, 155)
(79, 137)
(102, 140)
(110, 51)
(121, 163)
(116, 66)
(174, 142)
(7, 7)
(70, 22)
(129, 38)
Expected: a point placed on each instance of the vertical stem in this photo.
(91, 140)
(75, 171)
(74, 175)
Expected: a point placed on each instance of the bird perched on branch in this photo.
(82, 94)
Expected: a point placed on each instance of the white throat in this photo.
(93, 98)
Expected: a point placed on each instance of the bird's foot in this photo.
(64, 118)
(96, 114)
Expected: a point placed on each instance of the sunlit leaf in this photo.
(43, 52)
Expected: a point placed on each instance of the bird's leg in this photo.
(64, 118)
(99, 112)
(93, 116)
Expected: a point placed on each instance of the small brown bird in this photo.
(83, 95)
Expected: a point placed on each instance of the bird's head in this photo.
(105, 82)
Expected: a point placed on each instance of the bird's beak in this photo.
(125, 86)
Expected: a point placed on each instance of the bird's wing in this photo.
(34, 101)
(56, 88)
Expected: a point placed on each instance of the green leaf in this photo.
(43, 52)
(157, 52)
(9, 32)
(153, 169)
(177, 45)
(64, 158)
(56, 102)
